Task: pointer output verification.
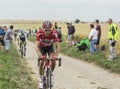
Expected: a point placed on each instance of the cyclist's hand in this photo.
(54, 57)
(42, 57)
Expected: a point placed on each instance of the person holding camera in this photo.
(112, 35)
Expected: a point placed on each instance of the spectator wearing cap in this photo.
(98, 28)
(71, 31)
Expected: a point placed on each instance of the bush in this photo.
(77, 21)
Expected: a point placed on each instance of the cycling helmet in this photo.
(22, 31)
(47, 24)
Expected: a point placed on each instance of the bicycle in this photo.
(47, 73)
(22, 50)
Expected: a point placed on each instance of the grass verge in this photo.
(13, 72)
(98, 57)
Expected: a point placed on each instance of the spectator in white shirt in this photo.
(92, 38)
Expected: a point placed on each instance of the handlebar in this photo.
(48, 58)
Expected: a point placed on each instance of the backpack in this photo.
(83, 47)
(103, 48)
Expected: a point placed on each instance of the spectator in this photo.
(34, 30)
(56, 26)
(92, 38)
(59, 34)
(98, 28)
(8, 38)
(2, 33)
(71, 31)
(29, 32)
(40, 28)
(112, 35)
(83, 44)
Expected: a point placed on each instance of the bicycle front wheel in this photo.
(22, 48)
(49, 82)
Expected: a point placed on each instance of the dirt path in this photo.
(75, 74)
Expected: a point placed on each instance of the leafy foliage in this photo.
(77, 21)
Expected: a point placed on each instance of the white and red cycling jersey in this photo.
(46, 41)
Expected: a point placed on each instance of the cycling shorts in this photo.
(23, 42)
(47, 50)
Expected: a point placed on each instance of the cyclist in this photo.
(23, 40)
(44, 46)
(18, 36)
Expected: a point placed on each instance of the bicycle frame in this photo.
(47, 73)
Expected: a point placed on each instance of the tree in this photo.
(77, 21)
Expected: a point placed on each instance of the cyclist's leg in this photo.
(24, 52)
(41, 62)
(41, 69)
(53, 64)
(51, 53)
(25, 46)
(43, 52)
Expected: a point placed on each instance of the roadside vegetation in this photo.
(13, 72)
(31, 38)
(98, 58)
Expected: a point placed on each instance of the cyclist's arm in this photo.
(57, 48)
(37, 44)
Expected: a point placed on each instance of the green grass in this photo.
(13, 72)
(31, 38)
(98, 58)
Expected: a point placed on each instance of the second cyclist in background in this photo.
(22, 39)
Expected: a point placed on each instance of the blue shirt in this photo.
(2, 33)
